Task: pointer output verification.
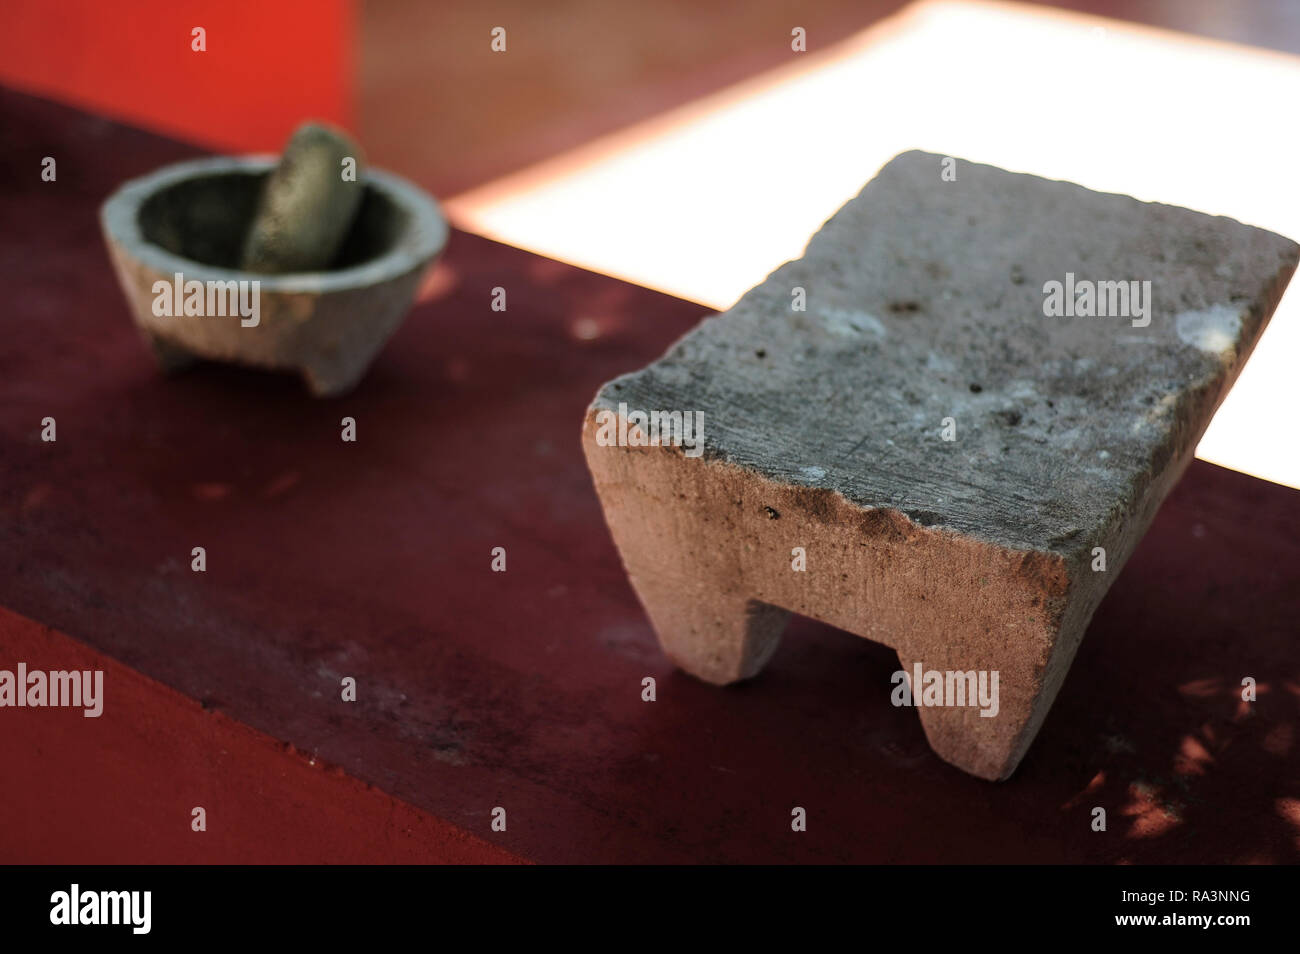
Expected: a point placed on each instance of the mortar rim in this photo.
(422, 239)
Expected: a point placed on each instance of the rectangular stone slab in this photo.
(952, 459)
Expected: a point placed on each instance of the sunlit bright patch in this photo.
(705, 201)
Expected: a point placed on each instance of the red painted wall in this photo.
(268, 65)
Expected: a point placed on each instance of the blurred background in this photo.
(693, 147)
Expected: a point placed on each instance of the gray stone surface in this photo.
(925, 301)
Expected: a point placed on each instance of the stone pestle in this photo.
(308, 203)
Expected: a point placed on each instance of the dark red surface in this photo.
(124, 786)
(522, 689)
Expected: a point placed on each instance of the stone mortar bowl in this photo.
(190, 218)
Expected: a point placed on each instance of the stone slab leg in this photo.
(170, 357)
(715, 637)
(991, 720)
(333, 378)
